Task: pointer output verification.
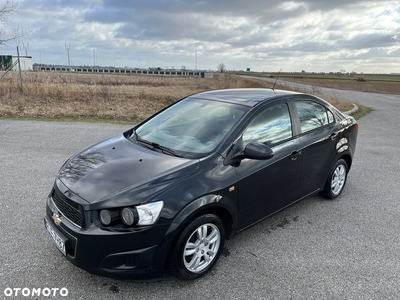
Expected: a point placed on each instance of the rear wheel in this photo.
(336, 181)
(198, 247)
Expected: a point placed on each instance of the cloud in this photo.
(367, 41)
(257, 33)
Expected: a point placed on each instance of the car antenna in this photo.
(273, 87)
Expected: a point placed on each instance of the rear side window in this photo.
(269, 127)
(313, 115)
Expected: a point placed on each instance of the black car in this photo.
(168, 192)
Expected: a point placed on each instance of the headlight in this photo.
(149, 213)
(129, 216)
(142, 215)
(106, 216)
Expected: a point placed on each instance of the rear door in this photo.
(319, 134)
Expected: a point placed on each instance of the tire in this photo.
(336, 181)
(198, 247)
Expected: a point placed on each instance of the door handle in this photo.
(295, 154)
(334, 136)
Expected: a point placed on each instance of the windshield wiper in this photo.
(163, 149)
(166, 150)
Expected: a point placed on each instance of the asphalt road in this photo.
(317, 249)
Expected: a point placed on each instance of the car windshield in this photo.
(193, 127)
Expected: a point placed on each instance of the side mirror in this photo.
(251, 151)
(257, 151)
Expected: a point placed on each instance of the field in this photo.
(115, 98)
(372, 83)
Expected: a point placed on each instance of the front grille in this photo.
(71, 213)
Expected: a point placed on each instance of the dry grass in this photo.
(117, 97)
(362, 84)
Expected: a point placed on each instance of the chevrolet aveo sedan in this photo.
(166, 194)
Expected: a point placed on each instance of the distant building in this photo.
(117, 70)
(8, 60)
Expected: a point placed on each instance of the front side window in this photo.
(313, 115)
(270, 127)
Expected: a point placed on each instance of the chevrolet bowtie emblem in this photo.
(56, 219)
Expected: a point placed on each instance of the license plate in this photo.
(56, 238)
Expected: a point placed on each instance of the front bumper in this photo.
(133, 255)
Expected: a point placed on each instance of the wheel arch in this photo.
(197, 208)
(223, 214)
(347, 158)
(203, 205)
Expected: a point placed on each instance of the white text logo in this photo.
(27, 292)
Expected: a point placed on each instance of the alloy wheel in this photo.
(338, 179)
(201, 247)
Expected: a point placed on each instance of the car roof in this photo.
(245, 96)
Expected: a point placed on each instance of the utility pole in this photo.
(20, 74)
(94, 57)
(195, 66)
(26, 47)
(68, 49)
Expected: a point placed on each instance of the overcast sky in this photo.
(264, 35)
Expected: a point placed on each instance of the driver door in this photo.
(266, 186)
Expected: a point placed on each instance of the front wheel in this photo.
(198, 247)
(335, 183)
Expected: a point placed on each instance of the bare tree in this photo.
(7, 35)
(221, 68)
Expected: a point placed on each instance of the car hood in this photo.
(119, 166)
